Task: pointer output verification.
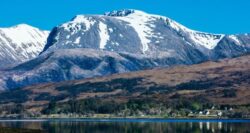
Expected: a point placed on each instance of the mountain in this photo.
(137, 32)
(20, 43)
(224, 82)
(118, 42)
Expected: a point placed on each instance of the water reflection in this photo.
(131, 127)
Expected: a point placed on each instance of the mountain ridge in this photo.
(119, 14)
(20, 43)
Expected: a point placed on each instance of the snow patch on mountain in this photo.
(139, 21)
(207, 40)
(76, 24)
(77, 41)
(235, 39)
(104, 36)
(201, 38)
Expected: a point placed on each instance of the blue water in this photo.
(152, 120)
(131, 125)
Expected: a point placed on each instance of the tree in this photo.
(51, 109)
(18, 109)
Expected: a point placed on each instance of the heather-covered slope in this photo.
(225, 82)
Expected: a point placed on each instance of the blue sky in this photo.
(215, 16)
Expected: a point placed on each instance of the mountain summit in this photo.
(20, 43)
(134, 31)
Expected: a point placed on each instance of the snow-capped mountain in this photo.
(130, 31)
(117, 42)
(137, 32)
(20, 43)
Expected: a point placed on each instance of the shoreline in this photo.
(161, 120)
